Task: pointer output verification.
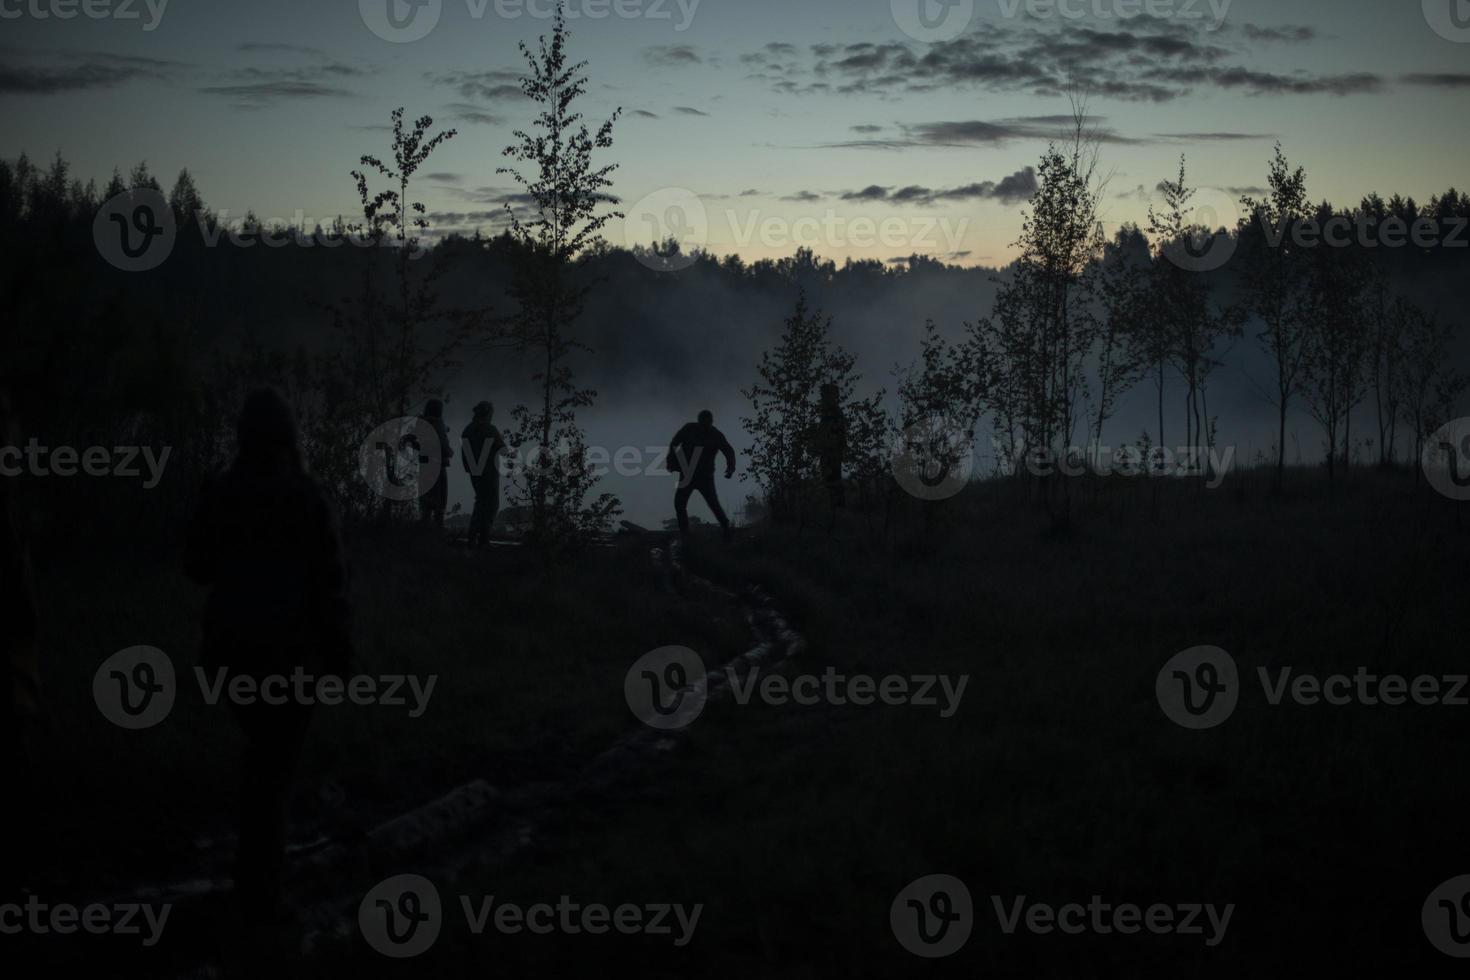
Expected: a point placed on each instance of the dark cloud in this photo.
(1221, 137)
(489, 86)
(1019, 186)
(1287, 34)
(866, 128)
(685, 110)
(802, 197)
(1151, 60)
(671, 55)
(1439, 79)
(468, 112)
(645, 113)
(71, 71)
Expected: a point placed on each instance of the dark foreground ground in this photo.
(795, 827)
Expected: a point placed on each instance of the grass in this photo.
(1059, 778)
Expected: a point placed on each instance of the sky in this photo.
(868, 129)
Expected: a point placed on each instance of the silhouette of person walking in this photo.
(830, 439)
(265, 540)
(480, 449)
(436, 499)
(692, 458)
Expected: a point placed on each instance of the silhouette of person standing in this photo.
(436, 499)
(830, 440)
(480, 449)
(265, 539)
(692, 458)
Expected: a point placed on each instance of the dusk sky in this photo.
(772, 112)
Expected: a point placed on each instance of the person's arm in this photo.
(729, 452)
(672, 462)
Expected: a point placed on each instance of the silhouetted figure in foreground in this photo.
(265, 539)
(436, 498)
(692, 458)
(480, 449)
(21, 697)
(830, 439)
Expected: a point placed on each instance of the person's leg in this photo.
(275, 736)
(681, 506)
(479, 528)
(712, 499)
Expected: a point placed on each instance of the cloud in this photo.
(802, 197)
(1221, 137)
(1439, 79)
(495, 85)
(468, 112)
(1019, 186)
(258, 46)
(645, 113)
(1152, 60)
(1287, 34)
(72, 71)
(685, 110)
(866, 128)
(671, 55)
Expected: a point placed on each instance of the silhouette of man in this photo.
(264, 538)
(480, 449)
(692, 458)
(830, 439)
(436, 498)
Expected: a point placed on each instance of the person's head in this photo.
(707, 418)
(485, 411)
(434, 409)
(267, 433)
